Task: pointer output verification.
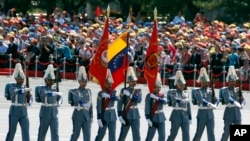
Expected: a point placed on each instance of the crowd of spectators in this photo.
(182, 44)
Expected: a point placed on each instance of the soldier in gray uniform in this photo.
(81, 99)
(50, 100)
(18, 109)
(154, 113)
(128, 113)
(106, 115)
(181, 114)
(205, 116)
(234, 102)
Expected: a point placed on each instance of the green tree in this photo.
(19, 5)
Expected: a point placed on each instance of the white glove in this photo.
(100, 123)
(212, 106)
(185, 100)
(243, 103)
(27, 89)
(190, 121)
(150, 124)
(105, 95)
(237, 104)
(87, 105)
(122, 120)
(57, 93)
(154, 96)
(126, 92)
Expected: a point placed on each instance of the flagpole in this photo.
(126, 57)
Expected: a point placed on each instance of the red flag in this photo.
(98, 11)
(151, 60)
(118, 60)
(99, 64)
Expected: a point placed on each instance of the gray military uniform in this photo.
(232, 114)
(18, 113)
(82, 116)
(107, 115)
(132, 117)
(158, 119)
(180, 115)
(205, 116)
(48, 113)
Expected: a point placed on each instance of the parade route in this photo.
(65, 113)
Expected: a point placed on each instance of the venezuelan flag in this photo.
(117, 59)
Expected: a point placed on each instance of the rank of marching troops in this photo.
(127, 112)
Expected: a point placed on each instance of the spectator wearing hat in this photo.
(216, 61)
(233, 58)
(86, 53)
(32, 52)
(46, 49)
(3, 50)
(185, 58)
(12, 48)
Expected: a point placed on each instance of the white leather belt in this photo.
(50, 105)
(230, 106)
(18, 104)
(205, 108)
(180, 108)
(133, 107)
(81, 108)
(158, 111)
(110, 108)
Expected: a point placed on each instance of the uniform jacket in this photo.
(149, 104)
(179, 115)
(124, 101)
(84, 95)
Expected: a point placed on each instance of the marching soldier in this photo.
(106, 115)
(128, 112)
(81, 99)
(18, 110)
(50, 100)
(154, 103)
(232, 96)
(205, 116)
(181, 114)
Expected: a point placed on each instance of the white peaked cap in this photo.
(131, 74)
(109, 78)
(18, 72)
(49, 73)
(231, 75)
(158, 82)
(203, 77)
(179, 78)
(82, 75)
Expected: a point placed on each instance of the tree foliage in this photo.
(226, 10)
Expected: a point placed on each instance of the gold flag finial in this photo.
(128, 19)
(108, 10)
(155, 13)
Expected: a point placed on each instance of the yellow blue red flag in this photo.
(117, 59)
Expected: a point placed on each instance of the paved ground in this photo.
(65, 113)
